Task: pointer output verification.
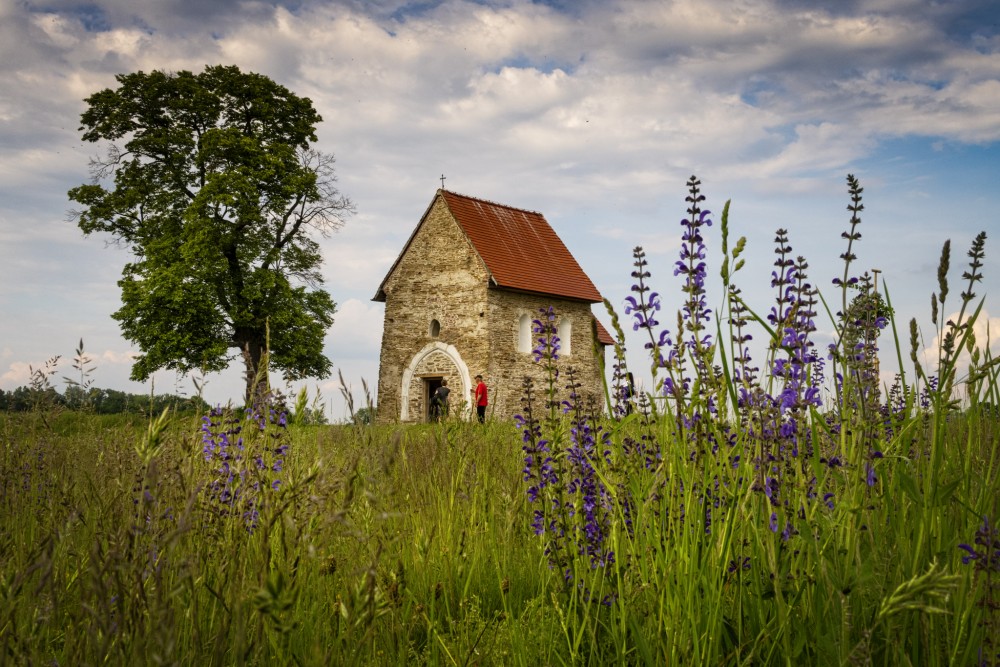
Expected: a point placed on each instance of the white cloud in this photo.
(118, 357)
(58, 29)
(986, 334)
(17, 374)
(356, 330)
(824, 147)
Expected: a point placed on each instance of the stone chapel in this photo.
(460, 300)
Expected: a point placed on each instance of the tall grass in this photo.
(795, 513)
(380, 545)
(787, 512)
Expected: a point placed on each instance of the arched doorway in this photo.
(436, 361)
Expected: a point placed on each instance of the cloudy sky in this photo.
(593, 112)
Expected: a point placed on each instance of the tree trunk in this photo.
(254, 351)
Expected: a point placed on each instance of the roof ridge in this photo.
(499, 235)
(490, 202)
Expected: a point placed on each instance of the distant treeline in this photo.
(99, 401)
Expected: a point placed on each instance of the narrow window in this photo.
(524, 334)
(565, 337)
(435, 329)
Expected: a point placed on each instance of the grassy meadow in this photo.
(793, 512)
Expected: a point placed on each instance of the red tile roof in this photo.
(520, 249)
(603, 337)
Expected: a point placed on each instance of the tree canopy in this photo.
(211, 182)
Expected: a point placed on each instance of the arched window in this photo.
(565, 337)
(524, 334)
(435, 329)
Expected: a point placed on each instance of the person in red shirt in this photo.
(479, 398)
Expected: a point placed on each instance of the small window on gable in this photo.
(435, 329)
(565, 337)
(524, 334)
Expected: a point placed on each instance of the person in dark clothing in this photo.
(439, 401)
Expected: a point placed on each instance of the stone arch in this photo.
(448, 351)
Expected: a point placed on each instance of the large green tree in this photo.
(211, 182)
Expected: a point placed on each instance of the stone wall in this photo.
(509, 366)
(439, 277)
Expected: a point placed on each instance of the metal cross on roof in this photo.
(442, 181)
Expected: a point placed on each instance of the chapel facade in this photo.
(460, 300)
